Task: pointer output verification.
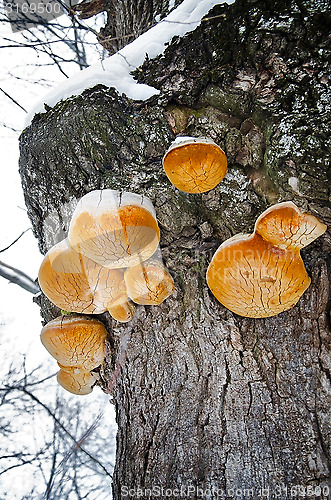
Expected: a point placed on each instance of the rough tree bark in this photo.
(207, 398)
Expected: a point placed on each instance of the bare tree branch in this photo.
(19, 278)
(51, 413)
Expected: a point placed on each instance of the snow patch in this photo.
(100, 201)
(287, 141)
(115, 71)
(294, 184)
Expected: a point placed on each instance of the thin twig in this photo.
(13, 100)
(13, 243)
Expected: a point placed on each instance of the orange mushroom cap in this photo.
(78, 284)
(123, 312)
(77, 383)
(194, 165)
(75, 341)
(285, 226)
(71, 369)
(149, 283)
(257, 278)
(114, 229)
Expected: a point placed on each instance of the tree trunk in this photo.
(206, 399)
(127, 19)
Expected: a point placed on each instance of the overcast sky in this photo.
(26, 77)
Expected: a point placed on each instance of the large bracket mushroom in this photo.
(262, 274)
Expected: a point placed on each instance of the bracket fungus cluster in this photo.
(110, 233)
(78, 284)
(262, 274)
(111, 255)
(111, 258)
(194, 165)
(78, 345)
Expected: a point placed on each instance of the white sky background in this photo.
(20, 320)
(21, 78)
(25, 82)
(115, 70)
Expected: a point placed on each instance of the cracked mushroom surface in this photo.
(76, 283)
(262, 274)
(149, 283)
(80, 383)
(115, 229)
(75, 341)
(194, 165)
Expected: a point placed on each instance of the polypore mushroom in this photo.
(285, 226)
(80, 383)
(148, 283)
(76, 283)
(262, 274)
(122, 312)
(194, 165)
(75, 341)
(114, 229)
(72, 369)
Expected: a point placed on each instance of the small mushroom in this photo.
(285, 226)
(148, 283)
(78, 284)
(114, 229)
(80, 383)
(122, 312)
(194, 165)
(262, 274)
(75, 341)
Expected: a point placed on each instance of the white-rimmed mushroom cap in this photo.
(77, 383)
(114, 229)
(195, 165)
(285, 226)
(262, 274)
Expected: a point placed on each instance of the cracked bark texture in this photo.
(206, 398)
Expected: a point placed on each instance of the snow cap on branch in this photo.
(115, 71)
